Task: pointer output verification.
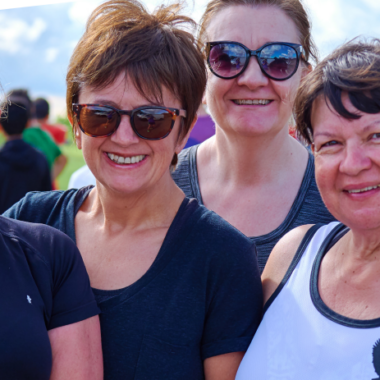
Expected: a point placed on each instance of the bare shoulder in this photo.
(281, 258)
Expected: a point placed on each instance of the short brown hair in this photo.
(292, 8)
(354, 68)
(153, 49)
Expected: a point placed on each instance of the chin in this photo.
(361, 220)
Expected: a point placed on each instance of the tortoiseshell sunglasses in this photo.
(148, 122)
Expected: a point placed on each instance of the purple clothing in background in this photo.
(203, 129)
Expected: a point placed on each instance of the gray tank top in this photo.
(307, 208)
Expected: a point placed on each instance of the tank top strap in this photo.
(299, 271)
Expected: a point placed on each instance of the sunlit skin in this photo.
(252, 155)
(122, 224)
(347, 157)
(253, 27)
(132, 178)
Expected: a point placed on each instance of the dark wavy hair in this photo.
(354, 68)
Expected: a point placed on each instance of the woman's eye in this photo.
(329, 143)
(375, 136)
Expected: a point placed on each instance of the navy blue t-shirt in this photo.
(22, 169)
(44, 285)
(201, 297)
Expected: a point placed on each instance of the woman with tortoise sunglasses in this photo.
(178, 287)
(257, 52)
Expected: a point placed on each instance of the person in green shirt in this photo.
(40, 139)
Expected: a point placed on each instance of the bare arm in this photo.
(223, 367)
(58, 166)
(280, 259)
(77, 351)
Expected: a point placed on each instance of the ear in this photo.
(76, 131)
(182, 142)
(306, 69)
(313, 148)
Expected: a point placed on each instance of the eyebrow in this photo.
(108, 102)
(365, 130)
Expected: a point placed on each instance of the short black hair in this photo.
(21, 96)
(41, 108)
(16, 118)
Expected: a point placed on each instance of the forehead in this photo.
(325, 120)
(123, 92)
(252, 26)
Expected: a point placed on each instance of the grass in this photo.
(74, 161)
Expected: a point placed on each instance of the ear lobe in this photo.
(306, 69)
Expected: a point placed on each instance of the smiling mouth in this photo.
(261, 102)
(125, 160)
(362, 190)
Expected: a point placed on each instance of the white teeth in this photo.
(250, 101)
(126, 160)
(363, 190)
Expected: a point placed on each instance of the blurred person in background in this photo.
(252, 172)
(41, 111)
(322, 283)
(22, 167)
(179, 288)
(40, 139)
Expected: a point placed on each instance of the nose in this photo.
(355, 160)
(125, 135)
(253, 77)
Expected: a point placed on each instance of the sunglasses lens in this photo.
(153, 123)
(98, 120)
(227, 60)
(279, 61)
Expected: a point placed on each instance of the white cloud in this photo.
(80, 11)
(51, 54)
(15, 33)
(34, 32)
(6, 4)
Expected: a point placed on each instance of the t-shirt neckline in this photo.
(169, 247)
(293, 212)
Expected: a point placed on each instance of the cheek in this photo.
(326, 176)
(287, 93)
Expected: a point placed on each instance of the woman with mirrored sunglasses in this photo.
(252, 172)
(178, 287)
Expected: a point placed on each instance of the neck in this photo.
(154, 207)
(362, 245)
(259, 159)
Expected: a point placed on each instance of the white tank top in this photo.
(300, 338)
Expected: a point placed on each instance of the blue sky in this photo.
(36, 41)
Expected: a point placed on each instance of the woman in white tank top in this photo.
(322, 283)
